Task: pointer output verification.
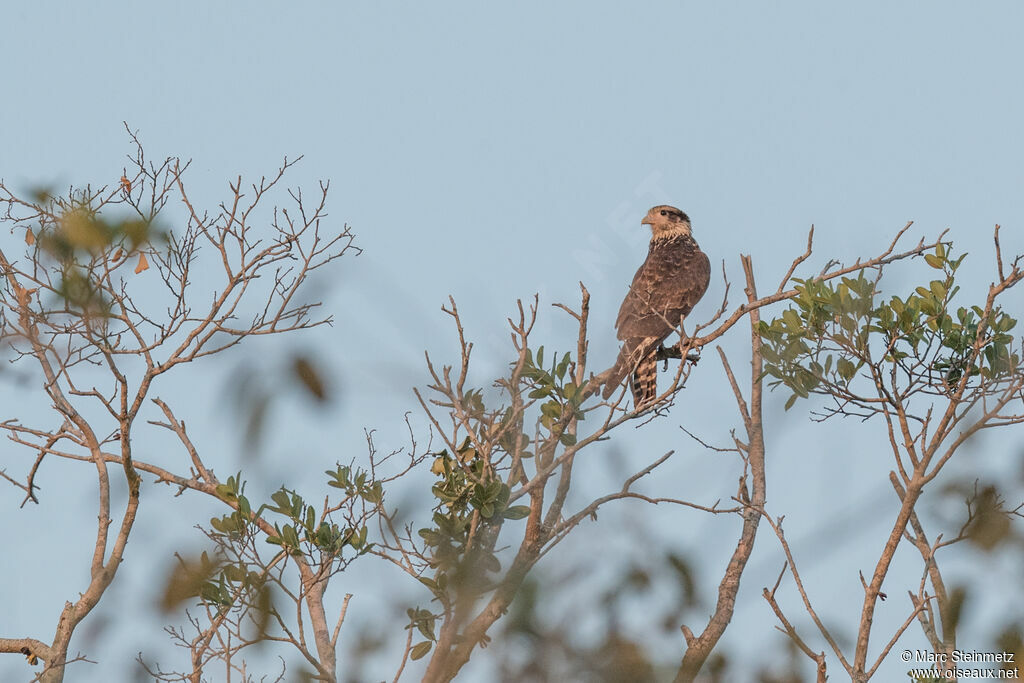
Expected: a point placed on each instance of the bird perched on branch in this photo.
(665, 289)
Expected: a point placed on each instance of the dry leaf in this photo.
(24, 296)
(143, 264)
(126, 185)
(310, 377)
(117, 255)
(30, 238)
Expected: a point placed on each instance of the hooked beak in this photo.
(647, 220)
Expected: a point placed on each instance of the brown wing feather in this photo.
(666, 287)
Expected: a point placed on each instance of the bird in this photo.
(666, 287)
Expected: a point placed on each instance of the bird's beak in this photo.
(647, 221)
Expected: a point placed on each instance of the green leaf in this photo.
(420, 650)
(283, 503)
(426, 627)
(792, 320)
(225, 492)
(934, 261)
(430, 537)
(373, 493)
(562, 366)
(517, 512)
(845, 368)
(228, 524)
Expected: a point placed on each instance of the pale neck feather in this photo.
(683, 229)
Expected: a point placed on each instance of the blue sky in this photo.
(491, 152)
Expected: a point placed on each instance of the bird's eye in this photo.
(663, 213)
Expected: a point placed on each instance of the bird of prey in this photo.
(665, 289)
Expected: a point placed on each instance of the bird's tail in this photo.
(644, 382)
(631, 360)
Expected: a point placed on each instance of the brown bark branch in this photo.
(699, 648)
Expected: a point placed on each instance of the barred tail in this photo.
(644, 382)
(631, 359)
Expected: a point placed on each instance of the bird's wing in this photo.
(666, 287)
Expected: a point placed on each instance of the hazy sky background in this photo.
(493, 152)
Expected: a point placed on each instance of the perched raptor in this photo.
(665, 288)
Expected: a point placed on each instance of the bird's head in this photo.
(666, 221)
